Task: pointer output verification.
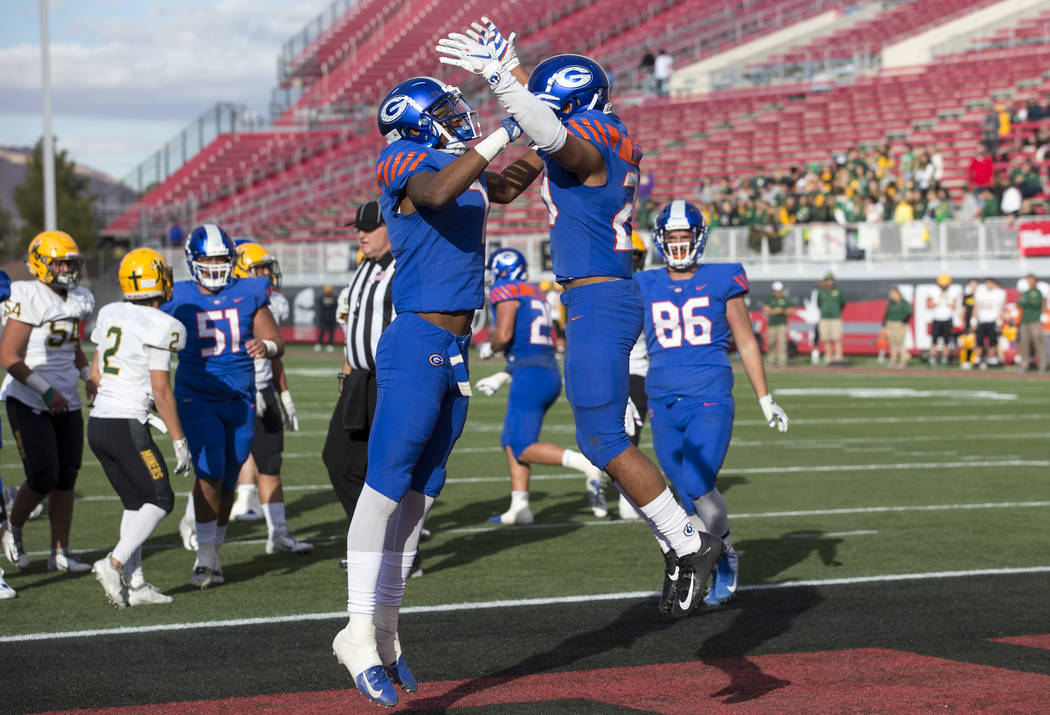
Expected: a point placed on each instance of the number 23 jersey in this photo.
(132, 340)
(214, 364)
(686, 331)
(51, 351)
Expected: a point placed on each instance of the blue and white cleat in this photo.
(400, 675)
(376, 686)
(596, 494)
(724, 579)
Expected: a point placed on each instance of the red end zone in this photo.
(872, 680)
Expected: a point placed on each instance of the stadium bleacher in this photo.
(293, 183)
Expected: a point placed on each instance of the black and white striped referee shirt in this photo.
(371, 310)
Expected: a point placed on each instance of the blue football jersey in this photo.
(591, 225)
(686, 330)
(531, 340)
(214, 364)
(440, 253)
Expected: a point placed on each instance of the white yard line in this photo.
(527, 602)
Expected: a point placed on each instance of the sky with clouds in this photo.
(128, 75)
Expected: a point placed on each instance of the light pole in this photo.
(50, 213)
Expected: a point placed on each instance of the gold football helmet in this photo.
(944, 280)
(255, 261)
(54, 259)
(144, 273)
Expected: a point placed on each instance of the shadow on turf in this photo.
(754, 618)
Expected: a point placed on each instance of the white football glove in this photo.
(182, 456)
(774, 413)
(632, 420)
(291, 420)
(469, 52)
(260, 404)
(489, 385)
(503, 48)
(485, 350)
(157, 422)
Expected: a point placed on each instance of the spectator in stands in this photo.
(907, 163)
(646, 66)
(176, 234)
(777, 309)
(1033, 304)
(989, 204)
(327, 306)
(981, 170)
(924, 172)
(830, 301)
(938, 165)
(895, 322)
(1010, 204)
(663, 67)
(990, 132)
(904, 211)
(1004, 122)
(1028, 180)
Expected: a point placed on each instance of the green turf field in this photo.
(881, 473)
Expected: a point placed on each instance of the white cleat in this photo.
(6, 592)
(207, 571)
(188, 532)
(247, 506)
(627, 511)
(65, 561)
(283, 541)
(596, 494)
(12, 545)
(112, 581)
(518, 517)
(146, 594)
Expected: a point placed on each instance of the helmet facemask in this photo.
(452, 119)
(70, 277)
(213, 276)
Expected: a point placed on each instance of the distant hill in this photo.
(13, 170)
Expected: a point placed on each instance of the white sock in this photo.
(364, 551)
(393, 572)
(220, 536)
(245, 491)
(667, 519)
(206, 532)
(362, 576)
(387, 642)
(575, 460)
(274, 513)
(519, 501)
(713, 512)
(138, 529)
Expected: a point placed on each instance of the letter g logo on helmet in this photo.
(394, 108)
(570, 77)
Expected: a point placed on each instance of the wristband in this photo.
(271, 347)
(38, 384)
(85, 373)
(48, 396)
(535, 118)
(493, 144)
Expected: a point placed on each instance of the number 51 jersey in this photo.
(132, 340)
(686, 331)
(53, 341)
(214, 364)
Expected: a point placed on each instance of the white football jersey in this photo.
(280, 309)
(51, 352)
(943, 306)
(132, 340)
(988, 303)
(639, 359)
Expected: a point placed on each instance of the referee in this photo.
(370, 311)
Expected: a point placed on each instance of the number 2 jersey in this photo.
(591, 225)
(51, 352)
(132, 340)
(686, 331)
(530, 343)
(440, 253)
(214, 365)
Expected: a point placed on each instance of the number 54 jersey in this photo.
(686, 330)
(132, 340)
(214, 364)
(51, 351)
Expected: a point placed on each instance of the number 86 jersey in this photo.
(51, 351)
(686, 330)
(214, 364)
(132, 340)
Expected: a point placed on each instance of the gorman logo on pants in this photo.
(436, 360)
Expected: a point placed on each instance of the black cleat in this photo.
(670, 581)
(694, 571)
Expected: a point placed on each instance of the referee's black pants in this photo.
(345, 452)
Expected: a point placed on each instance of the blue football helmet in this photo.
(675, 216)
(508, 264)
(428, 112)
(208, 241)
(571, 84)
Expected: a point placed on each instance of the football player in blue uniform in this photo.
(522, 330)
(228, 325)
(434, 193)
(692, 312)
(592, 170)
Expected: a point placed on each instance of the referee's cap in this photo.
(369, 217)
